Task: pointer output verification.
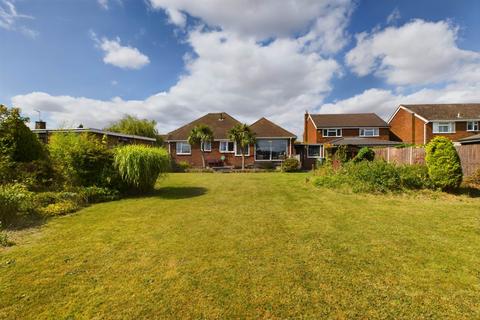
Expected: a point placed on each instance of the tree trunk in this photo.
(243, 159)
(203, 157)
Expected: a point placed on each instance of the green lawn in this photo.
(264, 245)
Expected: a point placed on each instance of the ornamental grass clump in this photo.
(140, 166)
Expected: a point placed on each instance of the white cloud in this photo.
(176, 17)
(124, 57)
(230, 73)
(270, 18)
(9, 18)
(103, 4)
(416, 53)
(394, 16)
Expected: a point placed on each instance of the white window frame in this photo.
(227, 142)
(255, 150)
(237, 151)
(376, 132)
(182, 153)
(315, 145)
(209, 144)
(475, 125)
(436, 126)
(337, 131)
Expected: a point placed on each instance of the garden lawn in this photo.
(265, 245)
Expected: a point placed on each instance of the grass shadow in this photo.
(180, 192)
(468, 191)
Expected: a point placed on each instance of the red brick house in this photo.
(352, 129)
(273, 145)
(419, 123)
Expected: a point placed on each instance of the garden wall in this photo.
(469, 156)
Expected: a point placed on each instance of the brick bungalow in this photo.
(273, 145)
(355, 130)
(419, 123)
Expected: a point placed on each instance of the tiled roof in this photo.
(265, 128)
(454, 111)
(92, 130)
(348, 120)
(220, 123)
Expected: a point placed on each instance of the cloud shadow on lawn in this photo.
(180, 192)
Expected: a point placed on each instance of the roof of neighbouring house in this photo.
(92, 130)
(362, 142)
(265, 128)
(348, 120)
(219, 122)
(471, 139)
(452, 111)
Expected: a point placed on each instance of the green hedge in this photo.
(443, 162)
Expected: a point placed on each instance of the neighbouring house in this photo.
(354, 130)
(273, 143)
(112, 138)
(419, 123)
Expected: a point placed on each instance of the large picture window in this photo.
(369, 132)
(271, 150)
(315, 151)
(443, 127)
(227, 147)
(332, 132)
(183, 148)
(238, 152)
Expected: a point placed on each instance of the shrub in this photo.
(140, 166)
(59, 208)
(98, 194)
(474, 179)
(341, 154)
(415, 176)
(15, 200)
(4, 241)
(443, 162)
(365, 153)
(374, 176)
(181, 166)
(290, 165)
(82, 159)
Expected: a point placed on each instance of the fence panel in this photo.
(469, 156)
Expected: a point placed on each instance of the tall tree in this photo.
(199, 135)
(243, 136)
(140, 127)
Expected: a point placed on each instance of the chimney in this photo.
(40, 125)
(221, 116)
(459, 115)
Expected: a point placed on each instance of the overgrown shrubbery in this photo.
(140, 166)
(290, 165)
(363, 154)
(373, 176)
(443, 162)
(81, 159)
(15, 200)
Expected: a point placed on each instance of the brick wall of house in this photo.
(460, 132)
(353, 132)
(401, 126)
(310, 132)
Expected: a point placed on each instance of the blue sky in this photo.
(92, 61)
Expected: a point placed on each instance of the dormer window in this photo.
(472, 126)
(369, 132)
(332, 132)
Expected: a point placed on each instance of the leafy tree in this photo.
(243, 136)
(199, 135)
(443, 162)
(140, 127)
(139, 166)
(17, 141)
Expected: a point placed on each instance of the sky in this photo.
(92, 61)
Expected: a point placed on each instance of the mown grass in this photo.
(264, 245)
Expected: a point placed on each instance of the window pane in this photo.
(231, 146)
(262, 150)
(183, 147)
(246, 150)
(279, 149)
(207, 146)
(314, 151)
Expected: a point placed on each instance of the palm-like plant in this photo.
(243, 136)
(200, 134)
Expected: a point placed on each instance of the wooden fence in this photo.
(469, 156)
